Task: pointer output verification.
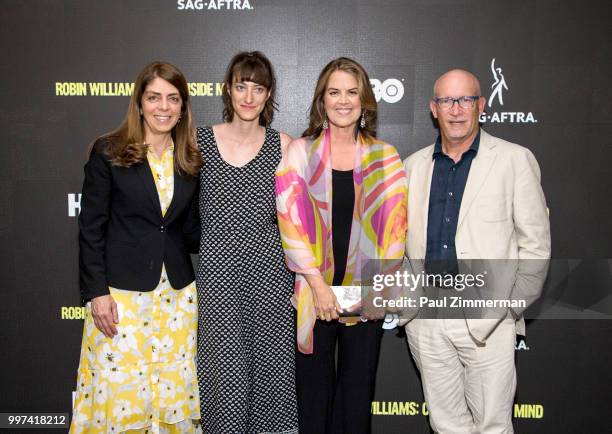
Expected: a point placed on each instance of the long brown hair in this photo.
(250, 66)
(126, 143)
(366, 97)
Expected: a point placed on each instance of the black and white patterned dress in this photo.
(246, 332)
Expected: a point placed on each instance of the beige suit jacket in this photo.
(503, 216)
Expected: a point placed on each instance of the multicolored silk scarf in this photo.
(303, 199)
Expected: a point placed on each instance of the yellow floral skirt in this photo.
(144, 379)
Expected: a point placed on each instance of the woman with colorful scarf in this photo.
(338, 175)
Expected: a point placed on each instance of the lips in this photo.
(344, 111)
(162, 119)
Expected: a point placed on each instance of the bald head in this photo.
(458, 122)
(456, 79)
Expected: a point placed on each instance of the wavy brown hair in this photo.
(126, 143)
(366, 97)
(250, 66)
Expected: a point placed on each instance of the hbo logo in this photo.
(390, 90)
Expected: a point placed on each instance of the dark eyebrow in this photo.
(157, 93)
(254, 84)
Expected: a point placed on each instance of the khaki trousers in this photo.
(469, 387)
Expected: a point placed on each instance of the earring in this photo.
(325, 124)
(179, 120)
(140, 110)
(362, 123)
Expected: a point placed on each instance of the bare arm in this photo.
(285, 140)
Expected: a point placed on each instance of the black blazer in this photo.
(123, 238)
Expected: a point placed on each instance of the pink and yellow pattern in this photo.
(303, 199)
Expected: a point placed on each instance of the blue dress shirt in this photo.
(447, 186)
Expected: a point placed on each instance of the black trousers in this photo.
(338, 400)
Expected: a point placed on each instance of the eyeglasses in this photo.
(465, 102)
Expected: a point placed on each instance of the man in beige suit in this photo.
(473, 196)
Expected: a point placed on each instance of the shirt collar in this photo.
(169, 148)
(473, 147)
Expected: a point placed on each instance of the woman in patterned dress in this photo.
(246, 323)
(137, 224)
(328, 242)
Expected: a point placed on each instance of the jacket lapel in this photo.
(180, 187)
(479, 170)
(146, 176)
(420, 192)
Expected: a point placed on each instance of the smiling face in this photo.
(457, 125)
(341, 100)
(161, 108)
(248, 99)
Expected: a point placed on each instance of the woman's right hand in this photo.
(105, 314)
(325, 302)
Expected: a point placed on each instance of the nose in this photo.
(455, 108)
(343, 97)
(249, 95)
(163, 104)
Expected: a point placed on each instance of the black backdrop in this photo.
(63, 82)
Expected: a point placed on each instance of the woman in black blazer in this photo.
(138, 223)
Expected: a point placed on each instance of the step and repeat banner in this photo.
(545, 66)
